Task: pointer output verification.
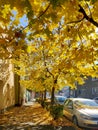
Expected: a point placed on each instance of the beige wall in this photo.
(7, 90)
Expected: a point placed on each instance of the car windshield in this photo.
(60, 98)
(86, 103)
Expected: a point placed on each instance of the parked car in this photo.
(57, 99)
(83, 112)
(96, 99)
(60, 99)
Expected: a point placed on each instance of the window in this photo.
(68, 103)
(94, 79)
(95, 90)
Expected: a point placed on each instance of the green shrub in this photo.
(56, 111)
(38, 100)
(47, 105)
(43, 104)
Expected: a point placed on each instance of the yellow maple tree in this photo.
(58, 45)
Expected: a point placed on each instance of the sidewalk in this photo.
(32, 116)
(30, 103)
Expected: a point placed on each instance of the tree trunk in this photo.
(45, 94)
(42, 95)
(52, 95)
(18, 101)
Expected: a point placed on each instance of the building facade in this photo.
(88, 90)
(7, 88)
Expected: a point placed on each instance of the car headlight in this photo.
(85, 117)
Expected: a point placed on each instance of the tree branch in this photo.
(75, 21)
(90, 19)
(44, 11)
(45, 64)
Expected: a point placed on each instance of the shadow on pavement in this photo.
(38, 127)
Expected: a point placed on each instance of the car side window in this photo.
(69, 103)
(77, 104)
(66, 102)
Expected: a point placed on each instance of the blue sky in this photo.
(24, 21)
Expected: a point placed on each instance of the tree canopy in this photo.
(50, 41)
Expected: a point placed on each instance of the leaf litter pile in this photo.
(32, 115)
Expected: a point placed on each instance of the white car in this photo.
(96, 99)
(83, 112)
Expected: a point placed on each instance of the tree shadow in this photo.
(38, 127)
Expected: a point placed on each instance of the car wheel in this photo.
(75, 121)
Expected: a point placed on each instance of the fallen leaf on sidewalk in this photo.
(31, 115)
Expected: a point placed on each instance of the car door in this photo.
(68, 109)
